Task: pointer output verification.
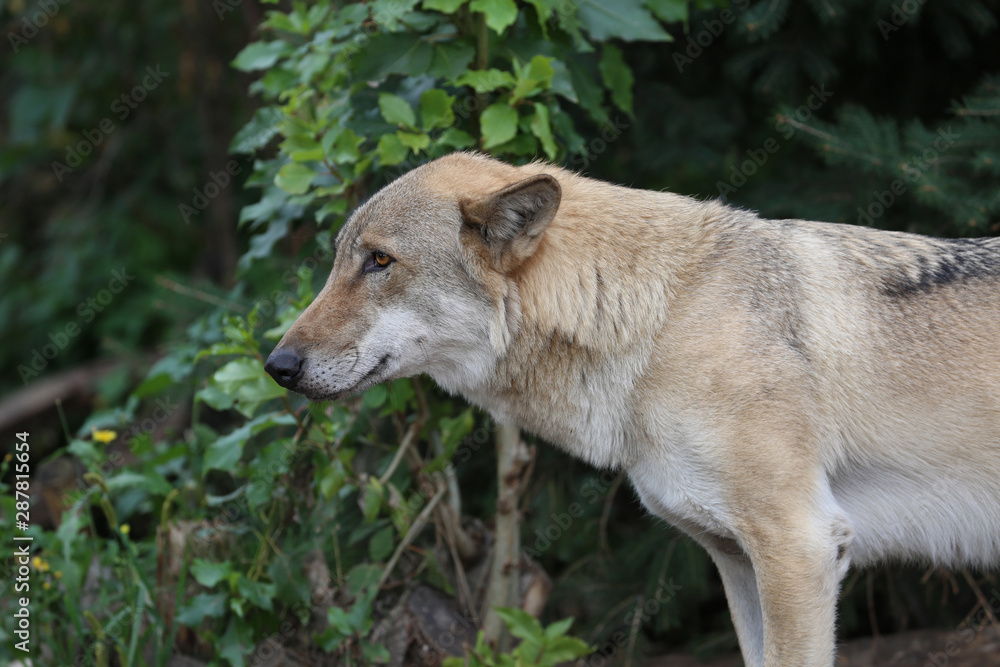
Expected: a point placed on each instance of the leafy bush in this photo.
(210, 532)
(265, 524)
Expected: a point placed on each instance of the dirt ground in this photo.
(911, 649)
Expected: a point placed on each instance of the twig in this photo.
(978, 112)
(602, 530)
(982, 600)
(870, 595)
(607, 617)
(411, 534)
(451, 479)
(802, 127)
(175, 286)
(336, 555)
(411, 435)
(465, 594)
(634, 632)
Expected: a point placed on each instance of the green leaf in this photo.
(236, 642)
(450, 59)
(340, 621)
(258, 390)
(534, 78)
(260, 55)
(200, 607)
(456, 138)
(259, 593)
(371, 500)
(563, 649)
(381, 544)
(544, 10)
(498, 123)
(391, 150)
(670, 11)
(376, 397)
(623, 19)
(333, 478)
(617, 77)
(389, 53)
(499, 13)
(262, 245)
(375, 653)
(453, 430)
(238, 370)
(225, 452)
(342, 147)
(302, 148)
(264, 125)
(446, 6)
(208, 574)
(540, 128)
(590, 93)
(246, 380)
(521, 624)
(396, 110)
(562, 82)
(151, 481)
(485, 80)
(215, 398)
(295, 178)
(436, 109)
(558, 628)
(362, 577)
(84, 449)
(416, 142)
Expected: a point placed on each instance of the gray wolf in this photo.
(796, 396)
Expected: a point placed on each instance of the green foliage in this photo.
(227, 527)
(539, 647)
(950, 168)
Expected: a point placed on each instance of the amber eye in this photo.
(377, 261)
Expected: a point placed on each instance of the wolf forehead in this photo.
(428, 198)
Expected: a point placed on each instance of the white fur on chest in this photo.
(677, 482)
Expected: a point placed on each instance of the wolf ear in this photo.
(509, 223)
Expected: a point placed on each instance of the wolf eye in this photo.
(378, 261)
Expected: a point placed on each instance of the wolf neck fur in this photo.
(588, 331)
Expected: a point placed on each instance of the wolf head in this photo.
(421, 282)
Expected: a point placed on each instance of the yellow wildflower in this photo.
(125, 529)
(103, 435)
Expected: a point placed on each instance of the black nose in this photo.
(285, 366)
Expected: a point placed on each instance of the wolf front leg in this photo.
(798, 568)
(740, 583)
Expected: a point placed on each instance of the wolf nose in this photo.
(285, 366)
